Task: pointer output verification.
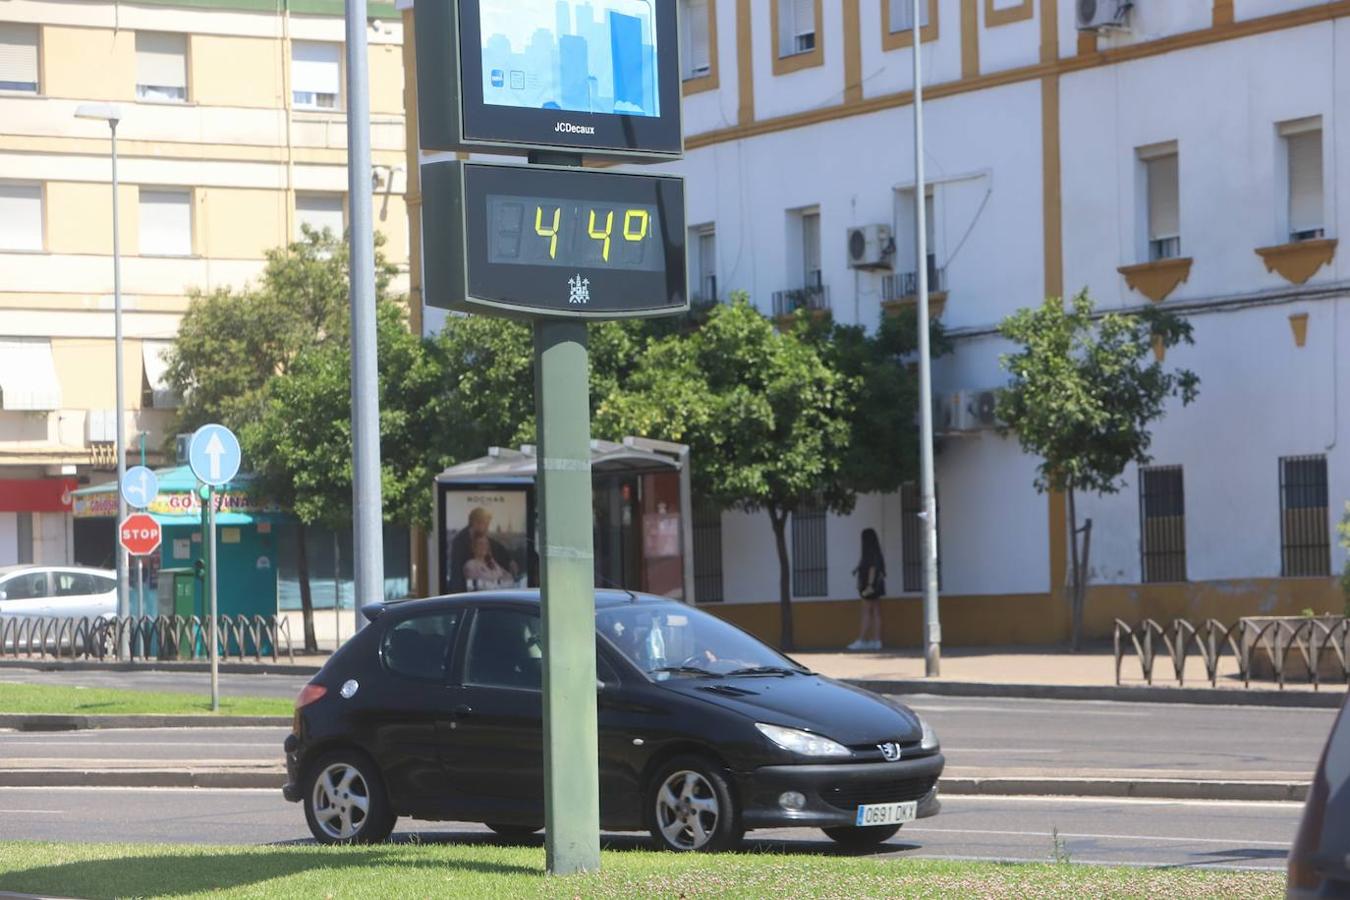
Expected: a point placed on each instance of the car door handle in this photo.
(461, 711)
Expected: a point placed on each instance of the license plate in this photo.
(888, 813)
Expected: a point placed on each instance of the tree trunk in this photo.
(1081, 583)
(786, 639)
(306, 595)
(1076, 578)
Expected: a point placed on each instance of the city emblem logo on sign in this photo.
(579, 290)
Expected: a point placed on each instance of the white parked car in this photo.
(57, 591)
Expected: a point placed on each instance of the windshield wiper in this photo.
(683, 670)
(768, 670)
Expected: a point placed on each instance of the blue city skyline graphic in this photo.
(595, 56)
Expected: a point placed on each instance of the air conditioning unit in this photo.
(965, 411)
(1095, 15)
(871, 247)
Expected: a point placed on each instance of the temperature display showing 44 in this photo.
(539, 231)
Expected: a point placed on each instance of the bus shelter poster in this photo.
(486, 540)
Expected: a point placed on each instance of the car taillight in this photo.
(309, 694)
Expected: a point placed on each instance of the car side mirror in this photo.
(599, 684)
(4, 596)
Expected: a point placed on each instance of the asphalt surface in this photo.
(1125, 832)
(979, 737)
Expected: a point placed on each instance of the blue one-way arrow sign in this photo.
(214, 455)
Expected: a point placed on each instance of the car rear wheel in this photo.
(690, 807)
(345, 800)
(514, 832)
(861, 837)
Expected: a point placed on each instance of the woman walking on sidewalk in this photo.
(871, 574)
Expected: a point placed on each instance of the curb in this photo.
(1162, 789)
(225, 668)
(1197, 696)
(90, 723)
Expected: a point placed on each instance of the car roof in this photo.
(603, 600)
(33, 567)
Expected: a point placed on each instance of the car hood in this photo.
(814, 703)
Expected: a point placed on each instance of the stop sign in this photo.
(139, 533)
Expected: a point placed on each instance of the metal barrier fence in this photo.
(1311, 641)
(144, 637)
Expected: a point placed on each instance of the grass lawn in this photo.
(46, 698)
(488, 870)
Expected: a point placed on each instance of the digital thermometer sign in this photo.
(550, 241)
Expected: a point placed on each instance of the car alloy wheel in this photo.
(346, 803)
(687, 810)
(341, 800)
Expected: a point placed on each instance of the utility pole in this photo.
(932, 627)
(367, 506)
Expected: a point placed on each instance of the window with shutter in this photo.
(902, 15)
(1304, 150)
(18, 57)
(697, 57)
(319, 211)
(811, 250)
(796, 27)
(20, 216)
(161, 66)
(166, 222)
(1164, 210)
(316, 75)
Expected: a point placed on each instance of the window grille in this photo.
(1305, 535)
(1162, 517)
(707, 552)
(810, 564)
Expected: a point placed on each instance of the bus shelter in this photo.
(641, 520)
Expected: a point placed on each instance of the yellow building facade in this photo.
(232, 135)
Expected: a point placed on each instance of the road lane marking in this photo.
(1272, 866)
(274, 745)
(33, 812)
(1024, 711)
(1005, 751)
(975, 799)
(1091, 836)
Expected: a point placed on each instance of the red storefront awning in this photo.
(36, 494)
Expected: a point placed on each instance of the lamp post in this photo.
(932, 629)
(106, 112)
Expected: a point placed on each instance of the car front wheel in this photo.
(345, 800)
(690, 807)
(861, 837)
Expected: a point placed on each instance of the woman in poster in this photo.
(482, 572)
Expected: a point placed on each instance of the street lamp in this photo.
(107, 112)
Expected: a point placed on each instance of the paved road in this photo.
(1005, 737)
(1129, 832)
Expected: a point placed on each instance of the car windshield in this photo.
(667, 640)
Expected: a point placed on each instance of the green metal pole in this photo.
(566, 565)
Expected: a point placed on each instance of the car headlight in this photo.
(803, 742)
(930, 738)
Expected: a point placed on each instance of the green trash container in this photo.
(181, 586)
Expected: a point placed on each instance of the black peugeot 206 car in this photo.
(434, 711)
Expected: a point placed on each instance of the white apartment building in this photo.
(1192, 154)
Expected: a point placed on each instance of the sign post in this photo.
(556, 245)
(140, 486)
(214, 456)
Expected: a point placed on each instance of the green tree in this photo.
(1082, 397)
(300, 445)
(766, 417)
(231, 342)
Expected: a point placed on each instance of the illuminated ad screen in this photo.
(591, 56)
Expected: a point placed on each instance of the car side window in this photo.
(103, 585)
(28, 586)
(73, 584)
(505, 650)
(420, 647)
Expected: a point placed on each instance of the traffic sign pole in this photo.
(210, 551)
(567, 573)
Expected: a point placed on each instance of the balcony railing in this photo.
(705, 293)
(816, 297)
(906, 284)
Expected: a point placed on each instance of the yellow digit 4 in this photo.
(550, 233)
(603, 235)
(643, 219)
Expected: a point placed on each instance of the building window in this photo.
(808, 291)
(704, 258)
(902, 15)
(166, 222)
(316, 75)
(911, 539)
(1303, 154)
(811, 276)
(1164, 206)
(18, 57)
(161, 66)
(319, 211)
(25, 544)
(796, 27)
(1305, 536)
(810, 562)
(696, 45)
(707, 552)
(1162, 514)
(20, 216)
